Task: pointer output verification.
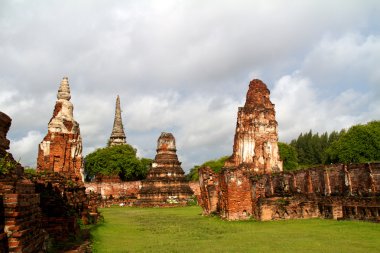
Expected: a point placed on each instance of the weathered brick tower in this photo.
(61, 149)
(165, 183)
(256, 136)
(117, 135)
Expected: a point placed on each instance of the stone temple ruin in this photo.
(165, 183)
(252, 184)
(61, 149)
(117, 136)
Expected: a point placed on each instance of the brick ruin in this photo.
(20, 213)
(63, 203)
(252, 184)
(59, 179)
(37, 208)
(255, 142)
(113, 191)
(61, 149)
(165, 183)
(335, 191)
(117, 136)
(42, 207)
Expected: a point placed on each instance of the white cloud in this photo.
(345, 62)
(300, 108)
(26, 148)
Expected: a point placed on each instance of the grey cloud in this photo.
(184, 66)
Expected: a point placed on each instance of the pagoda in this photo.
(61, 149)
(117, 135)
(165, 183)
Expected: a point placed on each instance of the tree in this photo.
(288, 155)
(361, 143)
(311, 148)
(193, 174)
(215, 165)
(118, 160)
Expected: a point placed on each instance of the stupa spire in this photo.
(64, 89)
(117, 135)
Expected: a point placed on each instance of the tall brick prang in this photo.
(61, 149)
(256, 136)
(165, 181)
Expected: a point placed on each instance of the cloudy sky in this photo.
(184, 67)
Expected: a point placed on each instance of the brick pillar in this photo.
(347, 180)
(236, 190)
(337, 212)
(309, 183)
(327, 183)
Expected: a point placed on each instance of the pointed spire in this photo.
(64, 89)
(117, 135)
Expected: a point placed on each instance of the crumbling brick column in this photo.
(20, 214)
(209, 188)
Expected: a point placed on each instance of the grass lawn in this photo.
(128, 229)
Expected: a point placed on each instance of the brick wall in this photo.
(334, 191)
(235, 194)
(20, 213)
(117, 189)
(63, 203)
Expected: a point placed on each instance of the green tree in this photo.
(288, 155)
(361, 143)
(215, 165)
(193, 174)
(118, 160)
(311, 148)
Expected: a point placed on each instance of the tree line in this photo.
(358, 144)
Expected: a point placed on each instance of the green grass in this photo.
(185, 230)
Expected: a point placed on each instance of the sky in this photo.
(184, 67)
